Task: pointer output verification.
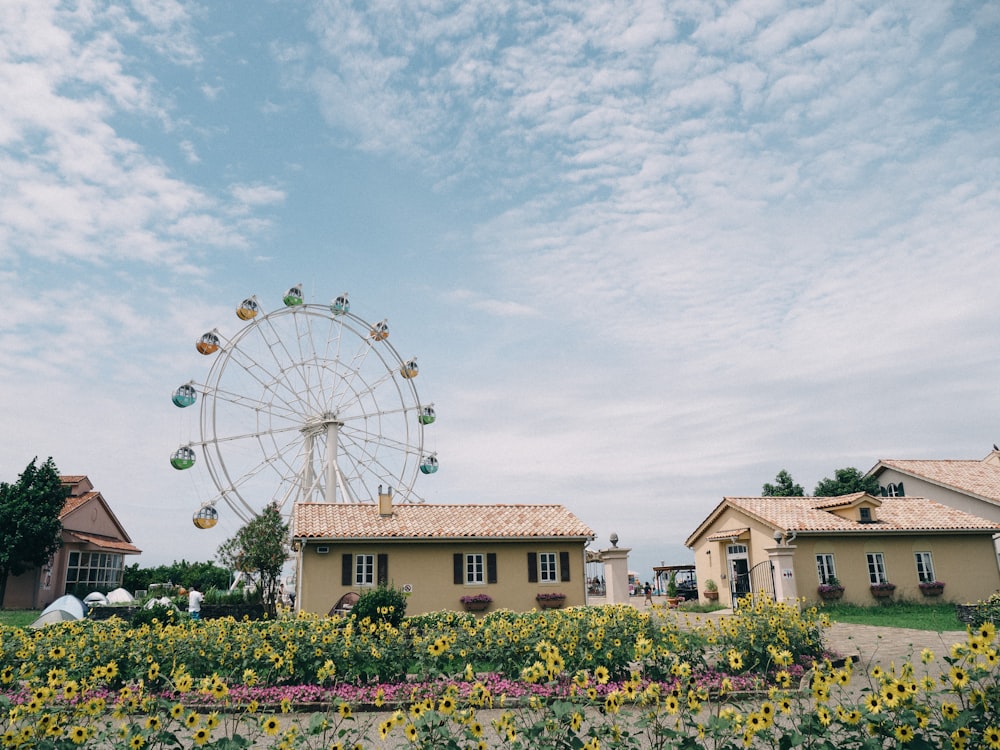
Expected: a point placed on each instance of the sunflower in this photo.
(904, 733)
(270, 725)
(78, 734)
(176, 711)
(959, 677)
(991, 736)
(411, 732)
(602, 675)
(201, 736)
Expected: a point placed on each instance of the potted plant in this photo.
(672, 599)
(883, 590)
(476, 602)
(711, 590)
(931, 588)
(831, 590)
(550, 600)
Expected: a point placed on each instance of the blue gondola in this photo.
(185, 395)
(340, 305)
(429, 464)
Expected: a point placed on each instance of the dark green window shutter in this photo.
(346, 570)
(457, 561)
(383, 570)
(491, 567)
(564, 566)
(532, 567)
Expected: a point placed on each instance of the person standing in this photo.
(195, 598)
(649, 593)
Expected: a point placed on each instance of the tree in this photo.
(259, 550)
(208, 575)
(784, 486)
(30, 529)
(845, 482)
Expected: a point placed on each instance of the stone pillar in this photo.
(785, 587)
(616, 574)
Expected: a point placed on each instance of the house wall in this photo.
(428, 568)
(914, 487)
(966, 563)
(710, 557)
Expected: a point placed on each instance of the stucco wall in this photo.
(967, 565)
(428, 568)
(914, 487)
(710, 557)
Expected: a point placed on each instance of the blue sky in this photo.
(648, 254)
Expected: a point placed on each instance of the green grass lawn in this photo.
(936, 617)
(19, 618)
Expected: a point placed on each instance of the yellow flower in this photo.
(602, 675)
(959, 677)
(78, 734)
(176, 711)
(270, 725)
(192, 720)
(411, 732)
(344, 709)
(201, 736)
(904, 733)
(136, 741)
(991, 736)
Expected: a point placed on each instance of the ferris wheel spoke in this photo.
(273, 382)
(247, 435)
(256, 405)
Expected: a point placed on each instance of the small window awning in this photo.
(725, 535)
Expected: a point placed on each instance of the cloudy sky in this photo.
(648, 253)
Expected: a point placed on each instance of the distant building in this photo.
(438, 554)
(857, 539)
(92, 557)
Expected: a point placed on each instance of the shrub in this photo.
(382, 604)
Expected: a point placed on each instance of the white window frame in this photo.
(475, 568)
(876, 568)
(825, 568)
(95, 569)
(548, 567)
(925, 567)
(364, 570)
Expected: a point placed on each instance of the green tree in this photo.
(845, 482)
(30, 529)
(784, 486)
(208, 575)
(259, 550)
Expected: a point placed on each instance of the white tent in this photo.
(120, 596)
(95, 597)
(70, 604)
(63, 609)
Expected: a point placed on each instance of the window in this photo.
(866, 515)
(825, 569)
(547, 567)
(475, 569)
(95, 569)
(876, 568)
(925, 567)
(364, 570)
(892, 490)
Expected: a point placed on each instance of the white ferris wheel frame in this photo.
(332, 417)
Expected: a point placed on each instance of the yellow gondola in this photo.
(208, 343)
(248, 309)
(205, 517)
(409, 369)
(380, 331)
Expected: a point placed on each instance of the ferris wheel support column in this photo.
(332, 475)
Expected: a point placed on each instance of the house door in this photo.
(739, 571)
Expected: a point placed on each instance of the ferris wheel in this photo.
(308, 403)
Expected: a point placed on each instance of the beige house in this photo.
(972, 486)
(858, 539)
(92, 556)
(438, 553)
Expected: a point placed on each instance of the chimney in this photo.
(384, 502)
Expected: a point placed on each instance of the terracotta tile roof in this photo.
(723, 534)
(896, 514)
(105, 542)
(75, 501)
(981, 478)
(429, 521)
